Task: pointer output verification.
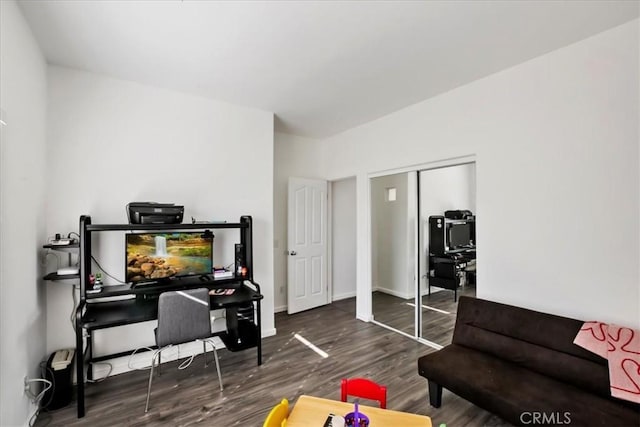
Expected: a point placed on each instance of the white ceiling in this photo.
(322, 67)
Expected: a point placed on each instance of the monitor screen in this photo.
(460, 236)
(156, 256)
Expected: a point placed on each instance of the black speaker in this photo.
(240, 260)
(436, 235)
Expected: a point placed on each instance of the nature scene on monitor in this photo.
(153, 256)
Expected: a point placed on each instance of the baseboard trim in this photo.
(335, 297)
(345, 295)
(394, 293)
(362, 318)
(142, 360)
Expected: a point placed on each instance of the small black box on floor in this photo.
(59, 373)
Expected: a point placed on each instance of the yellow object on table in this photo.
(313, 411)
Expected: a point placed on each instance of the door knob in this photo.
(293, 253)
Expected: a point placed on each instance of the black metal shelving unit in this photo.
(100, 310)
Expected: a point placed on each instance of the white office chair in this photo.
(183, 316)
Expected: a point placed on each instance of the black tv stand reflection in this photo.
(450, 270)
(452, 251)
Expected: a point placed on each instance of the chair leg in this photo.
(435, 394)
(153, 362)
(204, 352)
(215, 355)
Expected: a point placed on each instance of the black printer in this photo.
(154, 213)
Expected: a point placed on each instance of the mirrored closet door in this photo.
(423, 249)
(393, 233)
(447, 249)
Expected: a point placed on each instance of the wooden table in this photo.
(313, 411)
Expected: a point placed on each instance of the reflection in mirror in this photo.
(393, 234)
(447, 252)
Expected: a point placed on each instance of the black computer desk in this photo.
(446, 270)
(104, 310)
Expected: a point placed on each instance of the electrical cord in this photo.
(53, 254)
(187, 362)
(84, 336)
(106, 376)
(72, 318)
(105, 272)
(133, 368)
(37, 398)
(146, 368)
(44, 370)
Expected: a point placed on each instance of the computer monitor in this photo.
(158, 256)
(460, 236)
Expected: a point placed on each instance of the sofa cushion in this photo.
(512, 391)
(537, 341)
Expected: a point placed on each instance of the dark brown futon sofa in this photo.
(523, 366)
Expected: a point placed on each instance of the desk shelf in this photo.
(61, 247)
(107, 314)
(165, 227)
(55, 276)
(156, 288)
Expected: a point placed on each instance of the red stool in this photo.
(364, 388)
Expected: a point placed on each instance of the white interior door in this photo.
(307, 245)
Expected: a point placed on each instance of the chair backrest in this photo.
(278, 415)
(364, 388)
(183, 316)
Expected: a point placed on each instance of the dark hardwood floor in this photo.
(437, 327)
(290, 369)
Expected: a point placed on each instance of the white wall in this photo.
(343, 244)
(556, 143)
(112, 142)
(292, 158)
(448, 188)
(23, 91)
(390, 244)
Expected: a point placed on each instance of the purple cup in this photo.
(349, 420)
